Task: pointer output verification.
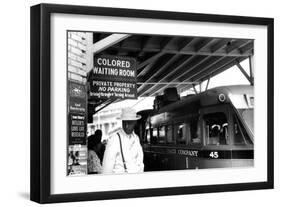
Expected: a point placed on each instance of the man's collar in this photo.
(129, 135)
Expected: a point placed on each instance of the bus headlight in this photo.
(222, 98)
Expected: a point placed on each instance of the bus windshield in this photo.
(244, 103)
(248, 117)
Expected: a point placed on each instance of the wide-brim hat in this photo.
(128, 114)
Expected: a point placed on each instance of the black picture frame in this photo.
(41, 96)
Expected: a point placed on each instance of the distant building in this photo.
(105, 120)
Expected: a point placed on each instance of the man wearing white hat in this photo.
(123, 151)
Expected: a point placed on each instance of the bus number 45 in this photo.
(214, 155)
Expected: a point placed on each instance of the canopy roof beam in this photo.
(153, 73)
(168, 73)
(220, 69)
(207, 72)
(177, 76)
(193, 52)
(200, 46)
(164, 83)
(232, 47)
(107, 42)
(228, 63)
(178, 61)
(149, 60)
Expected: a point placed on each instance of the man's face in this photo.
(128, 126)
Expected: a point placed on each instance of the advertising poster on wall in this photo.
(77, 160)
(77, 129)
(77, 97)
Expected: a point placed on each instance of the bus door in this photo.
(155, 151)
(188, 142)
(216, 131)
(150, 137)
(162, 148)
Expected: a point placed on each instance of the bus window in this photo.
(169, 132)
(194, 138)
(147, 132)
(216, 128)
(162, 134)
(181, 134)
(241, 137)
(154, 136)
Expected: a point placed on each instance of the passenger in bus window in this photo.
(162, 135)
(148, 135)
(194, 132)
(223, 134)
(154, 136)
(216, 128)
(214, 134)
(169, 133)
(181, 133)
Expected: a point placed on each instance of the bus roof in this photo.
(209, 97)
(235, 89)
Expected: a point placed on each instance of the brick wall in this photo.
(78, 61)
(77, 57)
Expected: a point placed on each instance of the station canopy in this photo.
(177, 61)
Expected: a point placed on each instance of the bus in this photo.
(213, 129)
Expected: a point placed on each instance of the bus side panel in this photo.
(224, 163)
(186, 162)
(148, 162)
(151, 161)
(242, 163)
(158, 161)
(167, 161)
(214, 163)
(155, 161)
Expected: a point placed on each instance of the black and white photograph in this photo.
(140, 102)
(137, 103)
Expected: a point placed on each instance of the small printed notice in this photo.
(77, 97)
(114, 77)
(77, 160)
(77, 129)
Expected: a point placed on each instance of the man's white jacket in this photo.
(132, 151)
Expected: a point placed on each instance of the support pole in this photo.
(244, 72)
(208, 81)
(193, 85)
(251, 69)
